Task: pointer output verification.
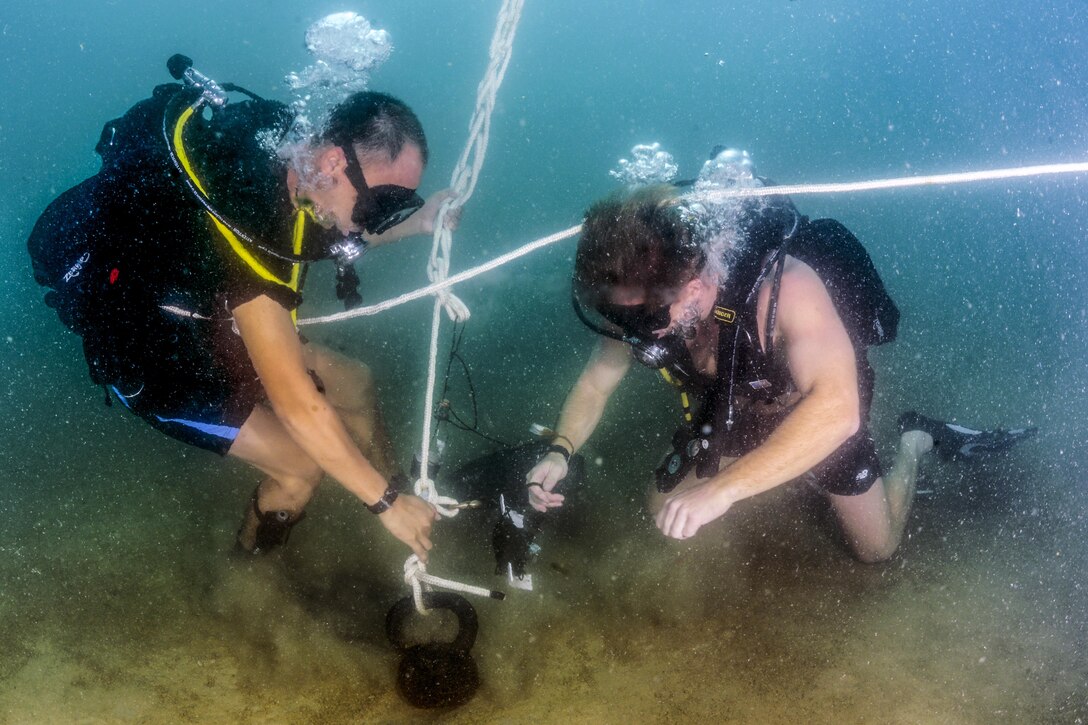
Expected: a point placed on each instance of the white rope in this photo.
(416, 576)
(790, 189)
(448, 282)
(467, 171)
(425, 487)
(963, 177)
(462, 184)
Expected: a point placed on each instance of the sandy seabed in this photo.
(121, 603)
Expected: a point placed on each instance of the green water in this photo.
(118, 600)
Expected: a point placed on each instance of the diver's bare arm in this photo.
(276, 352)
(581, 412)
(823, 365)
(586, 401)
(821, 359)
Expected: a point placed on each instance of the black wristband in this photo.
(561, 450)
(384, 503)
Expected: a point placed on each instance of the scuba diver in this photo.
(762, 318)
(181, 265)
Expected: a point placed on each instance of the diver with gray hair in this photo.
(762, 318)
(182, 263)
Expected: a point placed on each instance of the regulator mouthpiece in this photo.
(181, 68)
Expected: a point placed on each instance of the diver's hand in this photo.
(428, 213)
(687, 511)
(410, 519)
(545, 476)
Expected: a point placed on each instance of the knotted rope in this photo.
(416, 576)
(462, 185)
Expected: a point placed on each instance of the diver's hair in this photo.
(377, 124)
(637, 238)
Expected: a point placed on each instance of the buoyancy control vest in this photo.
(97, 254)
(748, 367)
(112, 249)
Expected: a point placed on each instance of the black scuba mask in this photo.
(635, 325)
(378, 208)
(636, 320)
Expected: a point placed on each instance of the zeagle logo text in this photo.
(724, 314)
(76, 268)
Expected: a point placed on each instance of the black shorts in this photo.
(850, 470)
(204, 412)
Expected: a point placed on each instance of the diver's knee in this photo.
(295, 488)
(325, 360)
(302, 472)
(362, 379)
(874, 553)
(350, 385)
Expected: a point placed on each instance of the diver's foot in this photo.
(957, 442)
(262, 531)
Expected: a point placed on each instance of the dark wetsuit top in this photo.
(762, 388)
(762, 403)
(196, 381)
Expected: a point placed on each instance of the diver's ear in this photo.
(330, 160)
(684, 297)
(698, 291)
(693, 290)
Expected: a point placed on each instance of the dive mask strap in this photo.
(665, 352)
(364, 202)
(353, 170)
(577, 304)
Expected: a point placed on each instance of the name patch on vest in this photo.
(724, 314)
